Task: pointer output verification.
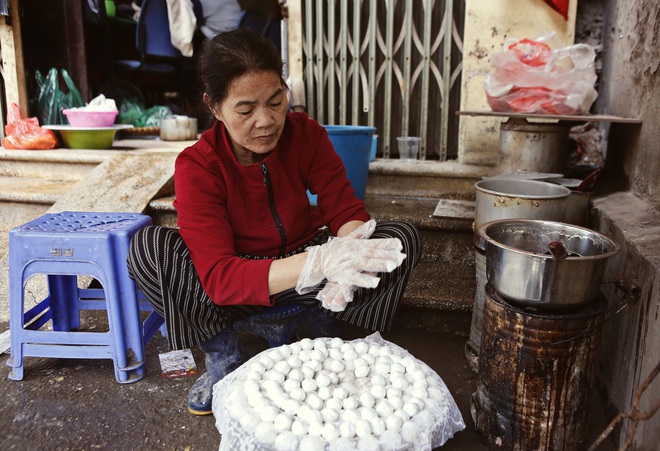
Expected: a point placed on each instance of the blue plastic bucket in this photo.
(353, 144)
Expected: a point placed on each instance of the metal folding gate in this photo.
(392, 64)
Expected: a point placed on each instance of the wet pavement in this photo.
(69, 404)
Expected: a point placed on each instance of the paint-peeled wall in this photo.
(630, 87)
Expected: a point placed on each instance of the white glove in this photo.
(334, 296)
(362, 232)
(348, 260)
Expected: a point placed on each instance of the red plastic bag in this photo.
(529, 77)
(26, 133)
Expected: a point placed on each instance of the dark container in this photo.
(536, 376)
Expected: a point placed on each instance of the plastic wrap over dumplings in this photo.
(327, 394)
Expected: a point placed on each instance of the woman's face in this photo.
(253, 113)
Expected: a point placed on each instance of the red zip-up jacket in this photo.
(225, 209)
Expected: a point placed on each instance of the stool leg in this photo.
(64, 304)
(16, 307)
(124, 319)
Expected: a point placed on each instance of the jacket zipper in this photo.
(273, 210)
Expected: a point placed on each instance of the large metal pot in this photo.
(521, 269)
(501, 198)
(540, 147)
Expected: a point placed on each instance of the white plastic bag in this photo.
(529, 77)
(241, 428)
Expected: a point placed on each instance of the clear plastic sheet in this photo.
(241, 424)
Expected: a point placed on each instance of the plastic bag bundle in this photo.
(134, 113)
(51, 100)
(26, 133)
(327, 394)
(529, 77)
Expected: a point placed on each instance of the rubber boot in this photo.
(224, 353)
(276, 324)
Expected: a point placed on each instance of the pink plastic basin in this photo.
(82, 118)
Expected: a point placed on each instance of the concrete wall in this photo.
(630, 87)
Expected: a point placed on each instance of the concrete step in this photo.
(446, 180)
(57, 164)
(32, 181)
(23, 199)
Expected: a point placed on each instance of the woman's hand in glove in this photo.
(347, 260)
(335, 296)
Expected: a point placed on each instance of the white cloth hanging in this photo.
(182, 22)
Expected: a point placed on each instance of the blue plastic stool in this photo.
(63, 246)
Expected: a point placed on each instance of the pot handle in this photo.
(479, 241)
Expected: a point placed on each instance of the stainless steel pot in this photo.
(541, 147)
(500, 198)
(520, 268)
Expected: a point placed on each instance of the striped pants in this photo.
(159, 262)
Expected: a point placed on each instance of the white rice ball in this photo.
(268, 414)
(378, 391)
(363, 428)
(309, 385)
(361, 347)
(367, 400)
(350, 416)
(298, 394)
(347, 430)
(306, 343)
(290, 384)
(315, 428)
(295, 348)
(362, 371)
(282, 422)
(329, 415)
(393, 422)
(285, 350)
(299, 427)
(334, 403)
(330, 432)
(324, 393)
(350, 403)
(378, 426)
(314, 401)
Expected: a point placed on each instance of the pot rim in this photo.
(562, 191)
(483, 235)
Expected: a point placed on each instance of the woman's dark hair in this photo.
(231, 54)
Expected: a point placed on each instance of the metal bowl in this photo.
(521, 269)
